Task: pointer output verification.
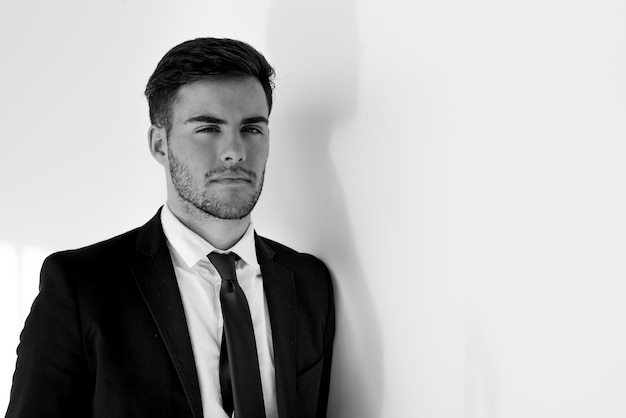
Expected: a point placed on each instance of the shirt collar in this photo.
(193, 248)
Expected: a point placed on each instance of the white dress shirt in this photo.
(199, 284)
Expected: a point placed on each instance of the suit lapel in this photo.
(156, 279)
(281, 303)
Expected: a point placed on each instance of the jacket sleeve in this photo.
(51, 378)
(329, 337)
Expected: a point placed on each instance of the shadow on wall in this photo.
(315, 49)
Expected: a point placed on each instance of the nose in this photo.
(233, 151)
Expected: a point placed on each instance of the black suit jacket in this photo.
(107, 336)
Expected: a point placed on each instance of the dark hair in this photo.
(199, 59)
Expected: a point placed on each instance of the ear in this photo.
(157, 141)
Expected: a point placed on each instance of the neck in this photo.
(220, 233)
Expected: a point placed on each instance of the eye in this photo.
(209, 129)
(251, 129)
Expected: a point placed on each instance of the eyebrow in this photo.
(255, 119)
(219, 121)
(206, 119)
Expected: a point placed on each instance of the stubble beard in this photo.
(207, 202)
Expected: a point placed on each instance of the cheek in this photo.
(196, 157)
(260, 152)
(194, 166)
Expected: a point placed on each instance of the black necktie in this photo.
(239, 365)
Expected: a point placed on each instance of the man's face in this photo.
(218, 145)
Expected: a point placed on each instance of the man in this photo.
(192, 314)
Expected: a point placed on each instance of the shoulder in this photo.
(312, 278)
(293, 259)
(113, 250)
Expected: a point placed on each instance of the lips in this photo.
(230, 180)
(231, 176)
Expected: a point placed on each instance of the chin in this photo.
(228, 209)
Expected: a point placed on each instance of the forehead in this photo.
(242, 96)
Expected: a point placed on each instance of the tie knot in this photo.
(225, 264)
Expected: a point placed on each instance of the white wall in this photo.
(458, 164)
